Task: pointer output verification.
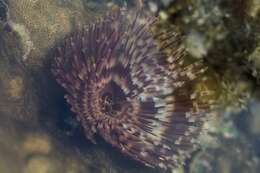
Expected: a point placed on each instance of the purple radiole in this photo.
(122, 86)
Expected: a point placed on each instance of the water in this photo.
(38, 132)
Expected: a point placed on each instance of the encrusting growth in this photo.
(122, 86)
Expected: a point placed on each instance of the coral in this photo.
(39, 23)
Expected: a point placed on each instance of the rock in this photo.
(254, 119)
(37, 144)
(42, 165)
(232, 155)
(41, 23)
(15, 87)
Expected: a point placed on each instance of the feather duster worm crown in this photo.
(123, 87)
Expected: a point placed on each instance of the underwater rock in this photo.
(40, 23)
(15, 87)
(16, 101)
(37, 144)
(3, 11)
(254, 62)
(231, 155)
(41, 165)
(253, 8)
(223, 32)
(254, 119)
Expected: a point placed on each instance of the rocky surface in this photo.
(226, 35)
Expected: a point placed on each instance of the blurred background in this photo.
(38, 134)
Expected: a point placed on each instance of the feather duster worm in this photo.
(122, 86)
